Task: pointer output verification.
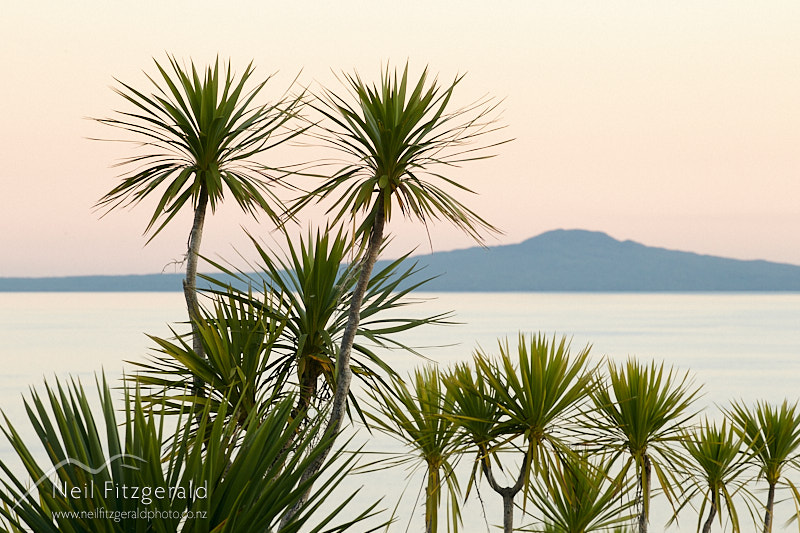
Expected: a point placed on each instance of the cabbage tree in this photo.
(84, 463)
(773, 434)
(581, 495)
(399, 136)
(640, 413)
(311, 285)
(198, 134)
(416, 416)
(716, 464)
(522, 398)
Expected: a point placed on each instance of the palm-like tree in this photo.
(416, 416)
(641, 410)
(474, 408)
(311, 287)
(237, 481)
(526, 393)
(579, 495)
(477, 413)
(238, 368)
(397, 134)
(200, 132)
(773, 434)
(264, 329)
(717, 463)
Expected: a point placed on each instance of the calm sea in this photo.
(738, 346)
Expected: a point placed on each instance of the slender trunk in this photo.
(507, 493)
(770, 507)
(508, 513)
(644, 486)
(432, 501)
(711, 514)
(343, 372)
(190, 283)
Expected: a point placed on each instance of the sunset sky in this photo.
(675, 124)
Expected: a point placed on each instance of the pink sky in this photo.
(675, 125)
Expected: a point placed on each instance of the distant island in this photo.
(556, 261)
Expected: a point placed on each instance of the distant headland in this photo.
(555, 261)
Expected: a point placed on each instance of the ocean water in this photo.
(736, 346)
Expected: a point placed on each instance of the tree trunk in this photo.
(644, 486)
(507, 493)
(711, 514)
(432, 501)
(770, 508)
(190, 283)
(508, 512)
(344, 374)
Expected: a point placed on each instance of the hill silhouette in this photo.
(559, 260)
(580, 260)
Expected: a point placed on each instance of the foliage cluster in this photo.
(583, 444)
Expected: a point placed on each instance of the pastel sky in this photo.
(675, 124)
